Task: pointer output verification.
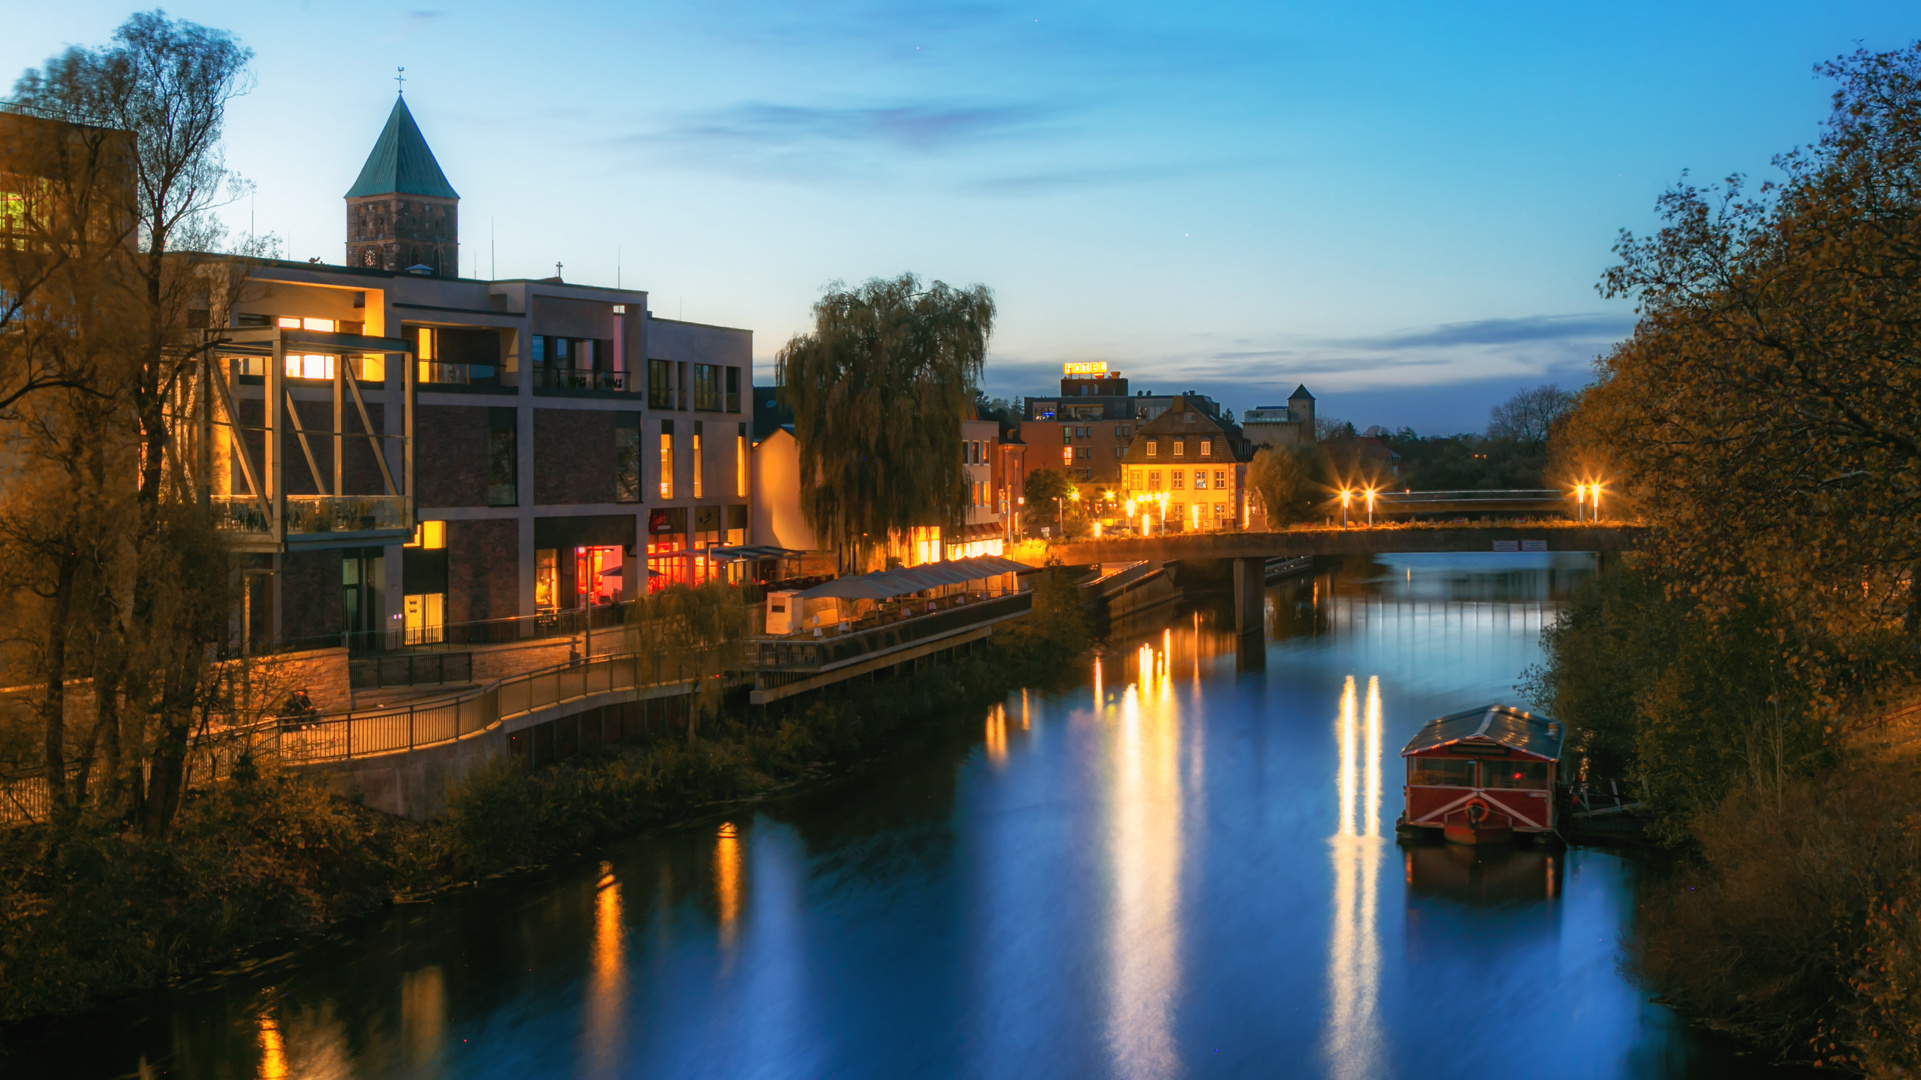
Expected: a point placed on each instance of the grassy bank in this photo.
(95, 909)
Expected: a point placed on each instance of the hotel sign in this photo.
(1097, 367)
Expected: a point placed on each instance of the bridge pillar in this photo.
(1250, 591)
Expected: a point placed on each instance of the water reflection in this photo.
(1144, 846)
(996, 739)
(423, 1012)
(273, 1050)
(1481, 876)
(606, 988)
(727, 881)
(1352, 1038)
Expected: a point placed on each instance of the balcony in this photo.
(311, 515)
(581, 379)
(433, 375)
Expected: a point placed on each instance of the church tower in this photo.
(402, 213)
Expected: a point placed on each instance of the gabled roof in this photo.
(1536, 736)
(401, 163)
(1299, 393)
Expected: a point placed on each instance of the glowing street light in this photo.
(1370, 507)
(1347, 496)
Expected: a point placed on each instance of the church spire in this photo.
(401, 162)
(402, 214)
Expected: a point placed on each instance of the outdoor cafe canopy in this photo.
(883, 584)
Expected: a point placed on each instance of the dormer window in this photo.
(1180, 447)
(1153, 448)
(1207, 447)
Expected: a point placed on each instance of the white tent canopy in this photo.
(883, 584)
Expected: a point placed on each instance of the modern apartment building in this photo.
(398, 449)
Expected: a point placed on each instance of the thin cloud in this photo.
(917, 128)
(1049, 183)
(413, 23)
(1509, 332)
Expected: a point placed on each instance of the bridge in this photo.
(1249, 551)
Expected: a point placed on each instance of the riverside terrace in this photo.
(1249, 551)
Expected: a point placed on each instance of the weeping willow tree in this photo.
(878, 390)
(693, 632)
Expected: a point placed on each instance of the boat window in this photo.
(1439, 772)
(1515, 774)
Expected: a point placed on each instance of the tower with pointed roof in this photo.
(402, 213)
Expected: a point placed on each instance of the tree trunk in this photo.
(54, 704)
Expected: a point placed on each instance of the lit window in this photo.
(325, 326)
(429, 536)
(740, 462)
(666, 459)
(1177, 479)
(1153, 447)
(1200, 480)
(304, 366)
(370, 368)
(1220, 478)
(1180, 447)
(287, 323)
(1207, 447)
(1153, 480)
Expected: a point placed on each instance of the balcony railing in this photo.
(433, 373)
(310, 514)
(798, 653)
(578, 379)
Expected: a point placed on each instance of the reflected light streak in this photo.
(273, 1051)
(727, 881)
(1024, 720)
(1145, 846)
(607, 980)
(423, 1012)
(1352, 1039)
(997, 735)
(1099, 701)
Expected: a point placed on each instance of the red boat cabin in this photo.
(1483, 775)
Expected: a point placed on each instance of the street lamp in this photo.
(1370, 508)
(1347, 496)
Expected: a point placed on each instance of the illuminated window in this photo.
(666, 459)
(1220, 478)
(1153, 447)
(1200, 480)
(1207, 447)
(546, 580)
(287, 322)
(428, 536)
(1180, 447)
(740, 465)
(1153, 478)
(1177, 479)
(426, 354)
(306, 366)
(699, 486)
(370, 368)
(426, 618)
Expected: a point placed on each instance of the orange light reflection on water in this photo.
(602, 1027)
(1352, 1036)
(727, 881)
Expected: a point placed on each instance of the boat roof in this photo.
(1516, 729)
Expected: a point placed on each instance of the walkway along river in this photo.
(1184, 866)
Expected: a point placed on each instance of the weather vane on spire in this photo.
(400, 77)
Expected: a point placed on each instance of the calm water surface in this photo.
(1185, 866)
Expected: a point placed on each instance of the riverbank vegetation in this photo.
(1748, 674)
(90, 907)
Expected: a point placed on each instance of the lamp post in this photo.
(1347, 496)
(1370, 508)
(1580, 502)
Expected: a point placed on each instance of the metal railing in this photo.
(307, 514)
(546, 378)
(812, 654)
(1412, 498)
(313, 739)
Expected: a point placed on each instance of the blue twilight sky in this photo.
(1404, 206)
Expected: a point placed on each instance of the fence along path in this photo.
(343, 736)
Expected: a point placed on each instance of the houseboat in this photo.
(1482, 776)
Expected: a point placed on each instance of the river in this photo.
(1185, 865)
